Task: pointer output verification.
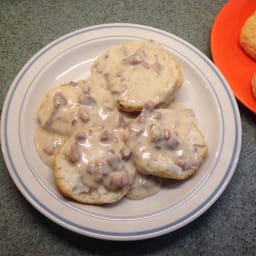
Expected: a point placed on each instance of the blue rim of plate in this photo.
(118, 235)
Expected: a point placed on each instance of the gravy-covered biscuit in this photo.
(136, 72)
(59, 109)
(166, 143)
(247, 37)
(94, 167)
(68, 106)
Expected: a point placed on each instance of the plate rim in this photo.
(198, 212)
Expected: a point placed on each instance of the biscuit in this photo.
(94, 167)
(136, 72)
(68, 106)
(166, 143)
(247, 37)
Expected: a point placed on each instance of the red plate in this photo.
(233, 62)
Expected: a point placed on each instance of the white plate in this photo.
(69, 58)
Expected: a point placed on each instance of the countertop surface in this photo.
(226, 228)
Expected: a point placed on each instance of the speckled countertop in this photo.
(227, 228)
